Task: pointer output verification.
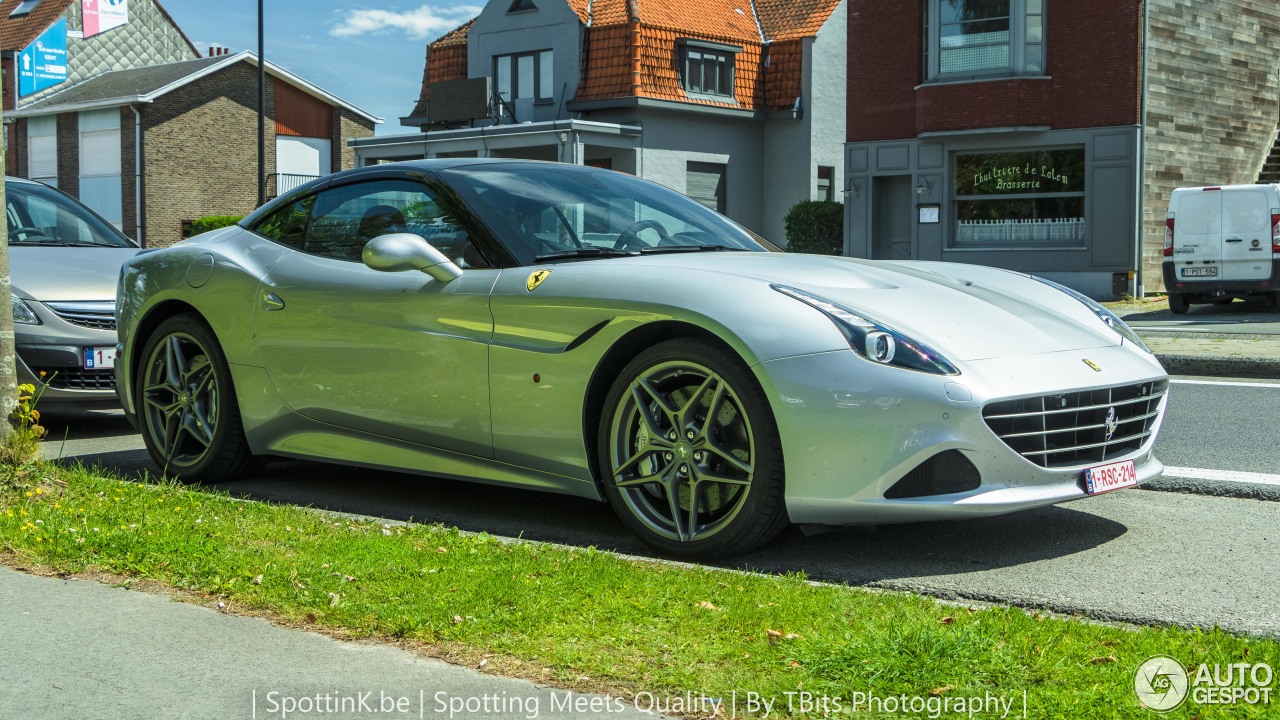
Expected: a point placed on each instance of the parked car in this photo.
(1222, 243)
(585, 332)
(64, 261)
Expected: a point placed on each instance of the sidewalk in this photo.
(79, 649)
(1217, 355)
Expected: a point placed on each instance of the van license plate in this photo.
(1200, 272)
(1114, 476)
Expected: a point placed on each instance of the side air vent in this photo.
(942, 474)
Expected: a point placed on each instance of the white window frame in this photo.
(1022, 15)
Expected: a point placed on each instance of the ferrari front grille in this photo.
(77, 378)
(1078, 428)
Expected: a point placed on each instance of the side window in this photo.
(346, 218)
(288, 225)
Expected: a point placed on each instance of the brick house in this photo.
(1046, 136)
(738, 104)
(149, 134)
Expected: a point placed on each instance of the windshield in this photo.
(546, 213)
(41, 216)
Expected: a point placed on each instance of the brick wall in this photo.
(347, 125)
(1212, 102)
(16, 162)
(128, 177)
(202, 151)
(1092, 61)
(69, 154)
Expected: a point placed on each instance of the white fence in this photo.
(1053, 231)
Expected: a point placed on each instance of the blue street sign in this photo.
(43, 63)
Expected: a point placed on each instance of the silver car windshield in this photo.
(41, 216)
(550, 213)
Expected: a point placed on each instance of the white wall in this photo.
(303, 156)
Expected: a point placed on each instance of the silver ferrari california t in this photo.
(64, 261)
(584, 332)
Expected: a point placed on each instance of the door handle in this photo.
(271, 302)
(1234, 240)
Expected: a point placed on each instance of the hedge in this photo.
(212, 222)
(816, 227)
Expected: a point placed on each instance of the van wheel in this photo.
(1178, 303)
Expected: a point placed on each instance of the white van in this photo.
(1222, 243)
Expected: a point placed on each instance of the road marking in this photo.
(1223, 476)
(1225, 383)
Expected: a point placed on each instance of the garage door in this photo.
(704, 182)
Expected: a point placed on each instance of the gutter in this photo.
(1138, 289)
(137, 175)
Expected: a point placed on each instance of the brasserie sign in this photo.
(1019, 172)
(1027, 177)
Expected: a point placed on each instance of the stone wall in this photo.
(1212, 103)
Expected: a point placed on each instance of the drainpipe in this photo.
(137, 174)
(1138, 289)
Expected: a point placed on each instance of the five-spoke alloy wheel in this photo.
(186, 405)
(690, 451)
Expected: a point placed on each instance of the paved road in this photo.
(1236, 318)
(76, 649)
(1160, 557)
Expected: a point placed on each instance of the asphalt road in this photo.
(1235, 318)
(1141, 556)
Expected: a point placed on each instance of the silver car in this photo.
(64, 261)
(584, 332)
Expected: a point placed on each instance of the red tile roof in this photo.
(632, 47)
(17, 33)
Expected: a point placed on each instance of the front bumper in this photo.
(851, 430)
(51, 357)
(1213, 286)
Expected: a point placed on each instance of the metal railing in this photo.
(281, 183)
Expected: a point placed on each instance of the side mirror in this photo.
(400, 252)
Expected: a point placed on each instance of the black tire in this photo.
(688, 415)
(183, 387)
(1178, 304)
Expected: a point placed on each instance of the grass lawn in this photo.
(586, 619)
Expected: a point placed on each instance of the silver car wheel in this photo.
(682, 451)
(180, 400)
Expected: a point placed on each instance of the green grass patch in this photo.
(590, 619)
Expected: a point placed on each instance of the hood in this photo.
(966, 312)
(50, 274)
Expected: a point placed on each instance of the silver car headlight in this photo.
(23, 314)
(874, 340)
(1112, 320)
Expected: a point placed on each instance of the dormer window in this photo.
(707, 69)
(525, 75)
(521, 6)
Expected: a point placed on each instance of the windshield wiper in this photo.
(59, 243)
(685, 248)
(586, 252)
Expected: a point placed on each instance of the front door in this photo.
(394, 354)
(892, 224)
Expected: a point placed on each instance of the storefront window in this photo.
(1020, 199)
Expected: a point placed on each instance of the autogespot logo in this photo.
(1161, 683)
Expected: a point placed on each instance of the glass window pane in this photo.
(546, 75)
(1021, 221)
(1035, 29)
(1036, 172)
(1035, 58)
(1035, 7)
(504, 77)
(524, 76)
(951, 11)
(988, 57)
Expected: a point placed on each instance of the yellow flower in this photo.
(39, 491)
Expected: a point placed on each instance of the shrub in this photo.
(816, 227)
(211, 222)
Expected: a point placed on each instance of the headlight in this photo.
(1112, 320)
(874, 340)
(23, 314)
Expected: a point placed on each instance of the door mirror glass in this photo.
(401, 252)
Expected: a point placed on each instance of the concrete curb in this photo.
(1216, 366)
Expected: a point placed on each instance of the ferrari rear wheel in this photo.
(690, 451)
(187, 406)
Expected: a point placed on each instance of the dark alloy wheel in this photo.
(690, 451)
(187, 407)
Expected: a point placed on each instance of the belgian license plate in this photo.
(1113, 476)
(1200, 272)
(100, 358)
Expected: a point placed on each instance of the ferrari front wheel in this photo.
(690, 451)
(189, 416)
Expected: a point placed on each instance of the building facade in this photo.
(153, 148)
(1045, 136)
(737, 104)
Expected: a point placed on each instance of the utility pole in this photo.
(262, 114)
